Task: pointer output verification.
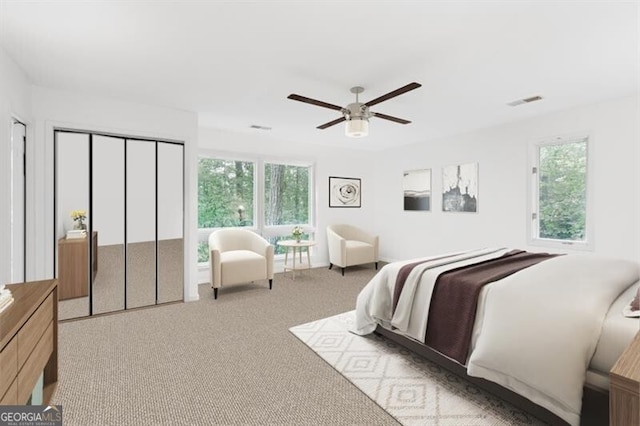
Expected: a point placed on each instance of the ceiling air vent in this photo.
(525, 101)
(258, 127)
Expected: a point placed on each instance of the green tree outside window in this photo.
(563, 191)
(226, 196)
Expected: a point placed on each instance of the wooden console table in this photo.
(29, 342)
(73, 266)
(624, 392)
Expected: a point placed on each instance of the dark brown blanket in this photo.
(403, 274)
(455, 295)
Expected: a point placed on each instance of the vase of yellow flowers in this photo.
(297, 233)
(79, 216)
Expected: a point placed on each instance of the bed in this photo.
(541, 330)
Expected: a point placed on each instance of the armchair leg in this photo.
(343, 272)
(330, 265)
(376, 266)
(270, 284)
(215, 293)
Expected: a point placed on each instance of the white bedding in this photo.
(536, 330)
(617, 333)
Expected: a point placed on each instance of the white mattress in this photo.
(617, 333)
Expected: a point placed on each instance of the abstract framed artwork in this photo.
(416, 185)
(344, 192)
(460, 188)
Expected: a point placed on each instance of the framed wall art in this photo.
(460, 188)
(344, 192)
(416, 185)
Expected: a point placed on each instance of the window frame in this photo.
(533, 213)
(259, 226)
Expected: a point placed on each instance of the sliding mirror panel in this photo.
(141, 223)
(170, 222)
(71, 216)
(108, 224)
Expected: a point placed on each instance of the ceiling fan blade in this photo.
(391, 118)
(313, 102)
(331, 123)
(397, 92)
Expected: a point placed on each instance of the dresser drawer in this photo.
(28, 342)
(30, 333)
(8, 365)
(11, 397)
(30, 371)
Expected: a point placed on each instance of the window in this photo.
(225, 197)
(559, 204)
(267, 197)
(225, 193)
(286, 195)
(286, 200)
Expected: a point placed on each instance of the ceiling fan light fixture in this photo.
(357, 128)
(357, 114)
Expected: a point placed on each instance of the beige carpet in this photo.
(413, 390)
(225, 361)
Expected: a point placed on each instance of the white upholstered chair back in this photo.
(350, 245)
(236, 239)
(239, 256)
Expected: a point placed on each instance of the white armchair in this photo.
(350, 246)
(239, 256)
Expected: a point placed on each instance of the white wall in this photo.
(502, 154)
(15, 101)
(59, 109)
(328, 161)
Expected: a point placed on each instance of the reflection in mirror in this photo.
(108, 223)
(170, 222)
(141, 223)
(72, 208)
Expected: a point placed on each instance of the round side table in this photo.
(295, 245)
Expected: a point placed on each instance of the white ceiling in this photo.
(234, 63)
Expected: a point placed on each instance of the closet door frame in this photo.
(16, 122)
(126, 138)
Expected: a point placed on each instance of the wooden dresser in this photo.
(624, 391)
(29, 342)
(73, 266)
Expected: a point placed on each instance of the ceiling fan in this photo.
(357, 114)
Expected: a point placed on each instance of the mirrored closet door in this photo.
(72, 204)
(119, 220)
(108, 230)
(141, 223)
(170, 222)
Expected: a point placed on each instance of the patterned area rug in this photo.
(412, 389)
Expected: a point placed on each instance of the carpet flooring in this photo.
(417, 392)
(225, 361)
(229, 361)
